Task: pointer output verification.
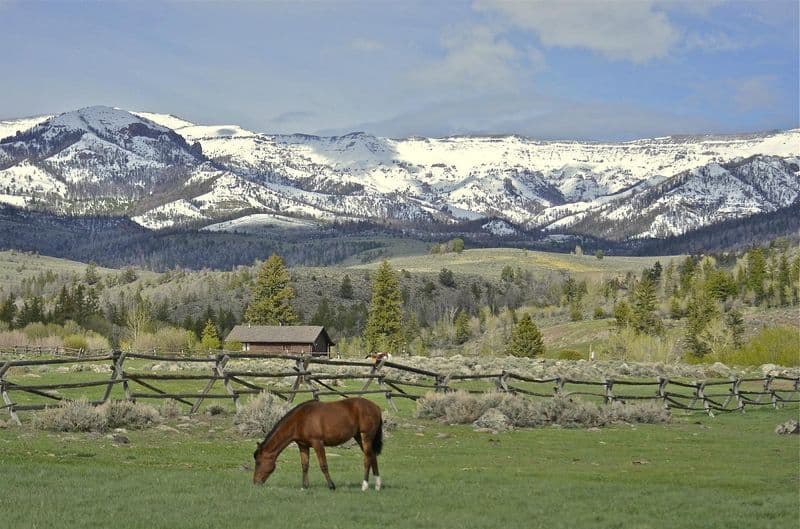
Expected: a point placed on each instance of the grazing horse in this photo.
(316, 424)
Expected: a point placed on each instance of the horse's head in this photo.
(265, 465)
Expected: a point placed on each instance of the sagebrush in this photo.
(257, 417)
(463, 408)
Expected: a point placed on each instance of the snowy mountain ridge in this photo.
(164, 171)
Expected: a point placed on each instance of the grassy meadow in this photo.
(489, 263)
(731, 470)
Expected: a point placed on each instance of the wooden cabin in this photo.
(282, 339)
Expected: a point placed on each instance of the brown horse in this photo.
(315, 424)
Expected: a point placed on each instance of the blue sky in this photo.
(579, 69)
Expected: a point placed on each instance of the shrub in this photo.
(76, 341)
(71, 416)
(125, 414)
(431, 406)
(170, 409)
(463, 408)
(775, 345)
(258, 416)
(216, 409)
(643, 411)
(523, 412)
(569, 354)
(573, 413)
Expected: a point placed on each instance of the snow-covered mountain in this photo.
(164, 171)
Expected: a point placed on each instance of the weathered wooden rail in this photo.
(391, 380)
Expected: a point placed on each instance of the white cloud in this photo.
(638, 31)
(475, 59)
(478, 59)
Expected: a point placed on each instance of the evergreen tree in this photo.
(756, 273)
(446, 278)
(526, 339)
(210, 339)
(622, 314)
(271, 303)
(735, 324)
(90, 275)
(32, 311)
(463, 333)
(644, 317)
(324, 315)
(346, 288)
(8, 310)
(382, 333)
(784, 281)
(700, 312)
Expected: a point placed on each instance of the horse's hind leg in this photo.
(319, 448)
(370, 461)
(374, 463)
(366, 446)
(304, 455)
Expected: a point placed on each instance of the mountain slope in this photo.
(164, 171)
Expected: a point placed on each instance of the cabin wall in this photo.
(280, 348)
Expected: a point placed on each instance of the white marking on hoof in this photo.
(364, 485)
(378, 483)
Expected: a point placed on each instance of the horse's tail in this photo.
(377, 441)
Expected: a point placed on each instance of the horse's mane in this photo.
(280, 422)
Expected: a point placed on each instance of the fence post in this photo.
(118, 357)
(768, 388)
(6, 399)
(502, 381)
(559, 387)
(209, 384)
(609, 385)
(662, 390)
(219, 368)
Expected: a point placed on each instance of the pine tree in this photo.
(700, 312)
(346, 288)
(644, 317)
(784, 280)
(324, 315)
(756, 273)
(8, 310)
(622, 314)
(210, 339)
(463, 333)
(382, 333)
(735, 324)
(271, 303)
(526, 339)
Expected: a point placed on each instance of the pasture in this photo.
(489, 263)
(731, 470)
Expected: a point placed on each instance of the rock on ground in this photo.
(789, 427)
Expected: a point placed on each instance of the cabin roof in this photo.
(277, 334)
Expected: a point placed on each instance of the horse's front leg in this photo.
(304, 455)
(319, 448)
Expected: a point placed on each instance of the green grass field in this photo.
(489, 262)
(727, 471)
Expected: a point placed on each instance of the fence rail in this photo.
(393, 380)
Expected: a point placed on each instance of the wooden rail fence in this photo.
(312, 376)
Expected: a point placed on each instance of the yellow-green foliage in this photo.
(775, 345)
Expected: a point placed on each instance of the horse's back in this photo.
(337, 421)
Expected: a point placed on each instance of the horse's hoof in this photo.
(332, 486)
(377, 483)
(364, 485)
